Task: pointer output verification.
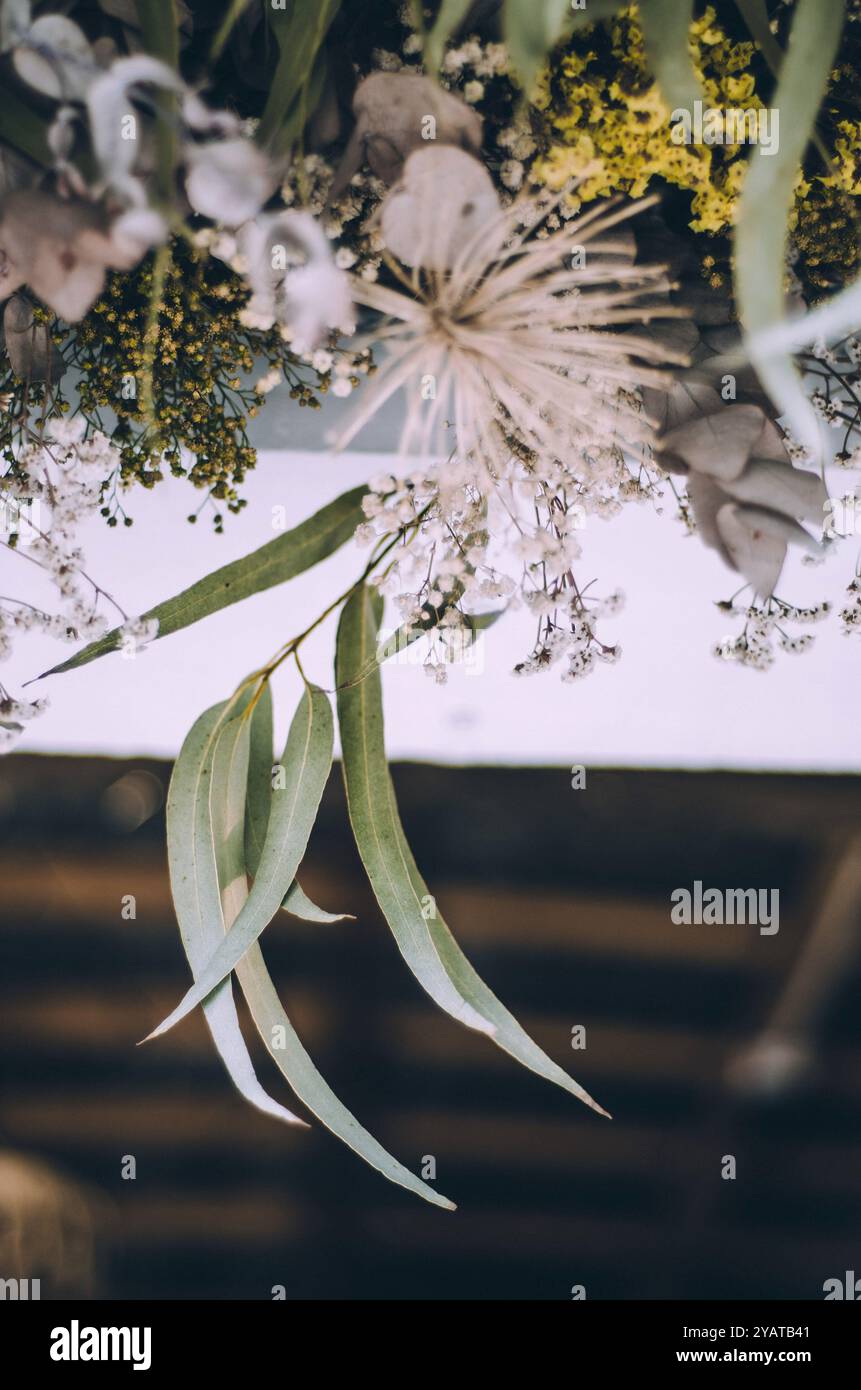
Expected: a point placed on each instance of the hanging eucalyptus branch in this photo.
(558, 346)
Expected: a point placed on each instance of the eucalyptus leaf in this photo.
(666, 26)
(228, 804)
(829, 321)
(421, 935)
(300, 33)
(306, 763)
(755, 15)
(195, 889)
(274, 563)
(766, 203)
(24, 130)
(532, 27)
(257, 808)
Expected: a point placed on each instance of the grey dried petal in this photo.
(708, 306)
(397, 113)
(771, 443)
(755, 550)
(706, 499)
(757, 538)
(687, 399)
(32, 353)
(444, 198)
(680, 336)
(718, 444)
(781, 488)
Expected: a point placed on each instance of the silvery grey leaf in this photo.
(718, 444)
(706, 499)
(781, 488)
(687, 399)
(755, 549)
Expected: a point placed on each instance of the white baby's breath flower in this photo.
(135, 633)
(268, 381)
(511, 173)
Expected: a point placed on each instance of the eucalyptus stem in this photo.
(291, 648)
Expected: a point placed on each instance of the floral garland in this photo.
(506, 222)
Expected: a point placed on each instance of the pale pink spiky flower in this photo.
(528, 339)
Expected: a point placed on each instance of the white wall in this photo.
(667, 703)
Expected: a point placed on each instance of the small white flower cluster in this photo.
(14, 714)
(837, 400)
(827, 408)
(850, 613)
(348, 218)
(514, 543)
(63, 474)
(135, 633)
(484, 60)
(754, 647)
(568, 629)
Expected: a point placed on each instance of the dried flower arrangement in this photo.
(496, 210)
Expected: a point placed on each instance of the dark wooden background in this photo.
(561, 899)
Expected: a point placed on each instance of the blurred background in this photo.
(703, 1041)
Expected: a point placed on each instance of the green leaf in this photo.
(232, 16)
(274, 563)
(422, 936)
(767, 200)
(532, 27)
(307, 762)
(23, 129)
(258, 805)
(298, 904)
(195, 890)
(755, 15)
(666, 26)
(160, 32)
(159, 29)
(300, 33)
(270, 1019)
